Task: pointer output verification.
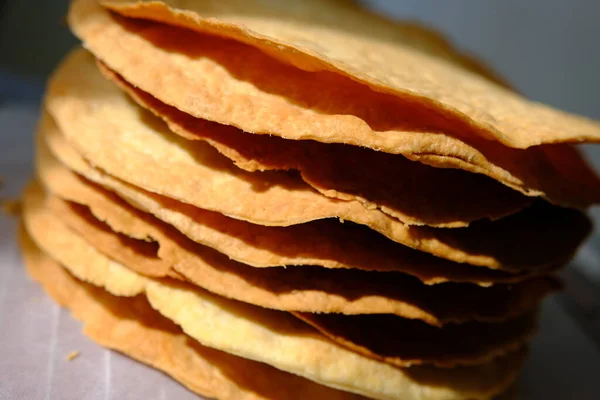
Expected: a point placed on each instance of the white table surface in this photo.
(36, 335)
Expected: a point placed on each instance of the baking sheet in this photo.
(36, 335)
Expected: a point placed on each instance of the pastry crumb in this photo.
(11, 207)
(72, 355)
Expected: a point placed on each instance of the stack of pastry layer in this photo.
(300, 200)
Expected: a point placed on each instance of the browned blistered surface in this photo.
(235, 84)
